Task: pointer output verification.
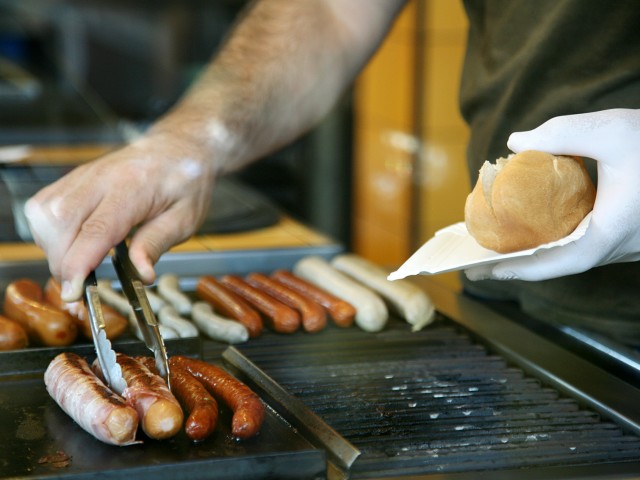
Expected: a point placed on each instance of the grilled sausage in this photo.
(229, 304)
(371, 311)
(167, 333)
(169, 288)
(45, 324)
(120, 303)
(217, 327)
(201, 407)
(248, 409)
(282, 318)
(405, 298)
(12, 335)
(312, 315)
(94, 407)
(160, 412)
(115, 324)
(341, 311)
(169, 317)
(112, 298)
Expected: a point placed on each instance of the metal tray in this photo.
(34, 427)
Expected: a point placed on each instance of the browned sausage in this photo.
(194, 397)
(94, 407)
(312, 315)
(248, 409)
(115, 324)
(45, 325)
(160, 412)
(342, 312)
(229, 304)
(282, 318)
(12, 335)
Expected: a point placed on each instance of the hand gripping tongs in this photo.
(134, 291)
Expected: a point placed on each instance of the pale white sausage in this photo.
(169, 289)
(167, 333)
(216, 327)
(405, 298)
(372, 313)
(112, 298)
(169, 317)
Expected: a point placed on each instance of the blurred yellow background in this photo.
(410, 173)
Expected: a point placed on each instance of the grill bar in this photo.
(436, 401)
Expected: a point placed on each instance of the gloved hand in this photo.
(161, 185)
(612, 138)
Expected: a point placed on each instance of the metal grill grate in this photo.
(435, 401)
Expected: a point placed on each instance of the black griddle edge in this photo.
(340, 453)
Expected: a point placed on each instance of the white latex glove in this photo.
(612, 137)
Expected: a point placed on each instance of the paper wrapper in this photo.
(452, 248)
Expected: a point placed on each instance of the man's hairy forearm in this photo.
(282, 68)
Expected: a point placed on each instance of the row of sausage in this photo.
(147, 404)
(347, 289)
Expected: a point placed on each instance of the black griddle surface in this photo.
(436, 401)
(33, 426)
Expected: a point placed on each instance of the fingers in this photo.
(575, 257)
(161, 187)
(53, 221)
(583, 135)
(158, 235)
(76, 221)
(101, 230)
(76, 243)
(540, 266)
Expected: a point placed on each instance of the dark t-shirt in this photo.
(528, 61)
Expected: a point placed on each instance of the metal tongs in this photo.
(134, 291)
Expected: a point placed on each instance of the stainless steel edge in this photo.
(339, 451)
(187, 265)
(190, 265)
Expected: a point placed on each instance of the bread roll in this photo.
(528, 199)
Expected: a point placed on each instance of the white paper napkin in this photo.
(452, 248)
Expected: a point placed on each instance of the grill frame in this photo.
(570, 374)
(589, 385)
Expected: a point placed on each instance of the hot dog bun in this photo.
(528, 199)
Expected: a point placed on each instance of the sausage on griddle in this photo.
(282, 318)
(248, 409)
(45, 325)
(201, 407)
(341, 311)
(160, 412)
(229, 304)
(115, 324)
(12, 335)
(94, 407)
(312, 315)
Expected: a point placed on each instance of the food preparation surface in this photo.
(38, 440)
(437, 401)
(473, 393)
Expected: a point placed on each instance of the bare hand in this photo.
(158, 184)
